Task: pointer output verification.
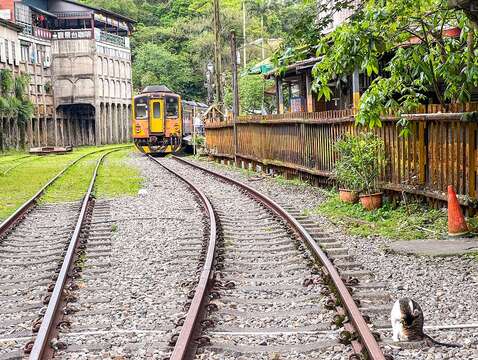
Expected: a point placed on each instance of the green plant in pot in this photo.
(368, 158)
(345, 172)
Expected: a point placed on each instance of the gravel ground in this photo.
(446, 288)
(29, 255)
(269, 313)
(141, 252)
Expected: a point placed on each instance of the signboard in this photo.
(5, 14)
(296, 104)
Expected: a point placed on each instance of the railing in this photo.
(441, 148)
(73, 14)
(107, 37)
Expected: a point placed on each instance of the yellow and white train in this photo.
(162, 121)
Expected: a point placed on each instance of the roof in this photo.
(41, 11)
(156, 88)
(10, 25)
(297, 66)
(102, 10)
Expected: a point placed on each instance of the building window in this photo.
(7, 50)
(24, 50)
(39, 89)
(14, 53)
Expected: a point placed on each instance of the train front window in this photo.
(171, 106)
(156, 110)
(141, 108)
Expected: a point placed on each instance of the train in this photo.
(163, 122)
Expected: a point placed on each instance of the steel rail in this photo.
(40, 346)
(184, 348)
(363, 331)
(8, 223)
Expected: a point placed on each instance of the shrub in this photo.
(361, 157)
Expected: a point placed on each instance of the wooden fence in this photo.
(441, 148)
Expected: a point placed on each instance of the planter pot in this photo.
(371, 201)
(348, 196)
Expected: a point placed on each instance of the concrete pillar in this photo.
(97, 124)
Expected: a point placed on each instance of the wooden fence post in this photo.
(422, 150)
(472, 159)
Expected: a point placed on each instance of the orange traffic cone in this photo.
(456, 221)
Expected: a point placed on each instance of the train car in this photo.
(192, 111)
(157, 120)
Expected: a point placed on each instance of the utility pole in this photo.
(235, 92)
(244, 32)
(217, 54)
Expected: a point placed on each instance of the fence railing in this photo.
(441, 148)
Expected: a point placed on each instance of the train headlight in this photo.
(138, 128)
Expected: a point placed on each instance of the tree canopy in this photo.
(415, 51)
(174, 41)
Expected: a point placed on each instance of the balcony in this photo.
(110, 38)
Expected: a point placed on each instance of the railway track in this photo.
(266, 296)
(38, 247)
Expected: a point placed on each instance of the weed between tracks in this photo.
(25, 180)
(117, 178)
(114, 179)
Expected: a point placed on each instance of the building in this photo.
(79, 61)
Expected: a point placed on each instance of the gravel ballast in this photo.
(446, 288)
(142, 251)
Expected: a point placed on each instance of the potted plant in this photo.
(345, 172)
(367, 160)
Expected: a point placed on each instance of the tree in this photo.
(405, 47)
(154, 64)
(251, 94)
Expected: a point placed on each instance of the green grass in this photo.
(116, 178)
(294, 182)
(406, 222)
(73, 184)
(24, 181)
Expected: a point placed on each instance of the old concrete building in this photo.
(79, 60)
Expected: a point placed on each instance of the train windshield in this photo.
(141, 107)
(171, 106)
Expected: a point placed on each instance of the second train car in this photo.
(161, 120)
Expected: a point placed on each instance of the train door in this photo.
(156, 116)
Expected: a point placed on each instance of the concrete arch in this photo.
(110, 68)
(99, 66)
(101, 90)
(105, 66)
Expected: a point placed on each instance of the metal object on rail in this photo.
(185, 346)
(41, 347)
(363, 331)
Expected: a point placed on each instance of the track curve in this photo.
(367, 343)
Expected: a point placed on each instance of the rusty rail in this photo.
(41, 349)
(185, 347)
(363, 331)
(9, 222)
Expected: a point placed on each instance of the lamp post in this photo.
(209, 74)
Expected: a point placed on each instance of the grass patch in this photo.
(407, 222)
(25, 180)
(294, 182)
(116, 177)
